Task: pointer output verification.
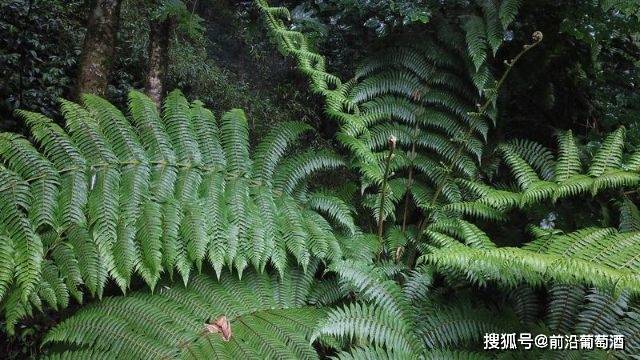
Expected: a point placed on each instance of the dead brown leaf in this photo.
(220, 326)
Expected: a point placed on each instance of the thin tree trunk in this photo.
(158, 59)
(99, 48)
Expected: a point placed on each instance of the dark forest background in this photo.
(584, 77)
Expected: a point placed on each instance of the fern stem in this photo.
(409, 183)
(537, 38)
(383, 192)
(483, 109)
(405, 211)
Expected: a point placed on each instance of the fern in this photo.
(508, 11)
(541, 178)
(423, 96)
(601, 258)
(258, 317)
(629, 216)
(475, 30)
(568, 160)
(579, 310)
(435, 323)
(115, 197)
(610, 154)
(388, 321)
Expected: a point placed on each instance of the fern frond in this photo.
(338, 210)
(508, 11)
(539, 157)
(610, 153)
(629, 216)
(476, 37)
(454, 325)
(422, 93)
(493, 24)
(368, 322)
(7, 264)
(601, 258)
(207, 135)
(28, 247)
(565, 302)
(291, 171)
(601, 313)
(235, 142)
(522, 157)
(176, 117)
(568, 163)
(371, 287)
(115, 197)
(179, 322)
(273, 146)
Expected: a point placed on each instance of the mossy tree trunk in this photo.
(99, 47)
(158, 58)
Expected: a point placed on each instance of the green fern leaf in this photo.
(476, 38)
(609, 156)
(179, 322)
(508, 11)
(568, 163)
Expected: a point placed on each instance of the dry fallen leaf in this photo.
(220, 326)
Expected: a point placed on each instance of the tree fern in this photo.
(173, 191)
(116, 197)
(423, 94)
(443, 323)
(387, 321)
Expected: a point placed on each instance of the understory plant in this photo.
(416, 120)
(223, 251)
(115, 197)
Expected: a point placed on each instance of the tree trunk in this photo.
(158, 59)
(99, 48)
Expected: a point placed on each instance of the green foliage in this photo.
(407, 104)
(325, 18)
(433, 325)
(424, 95)
(267, 319)
(114, 197)
(38, 55)
(389, 322)
(187, 22)
(578, 310)
(117, 198)
(600, 258)
(590, 87)
(541, 178)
